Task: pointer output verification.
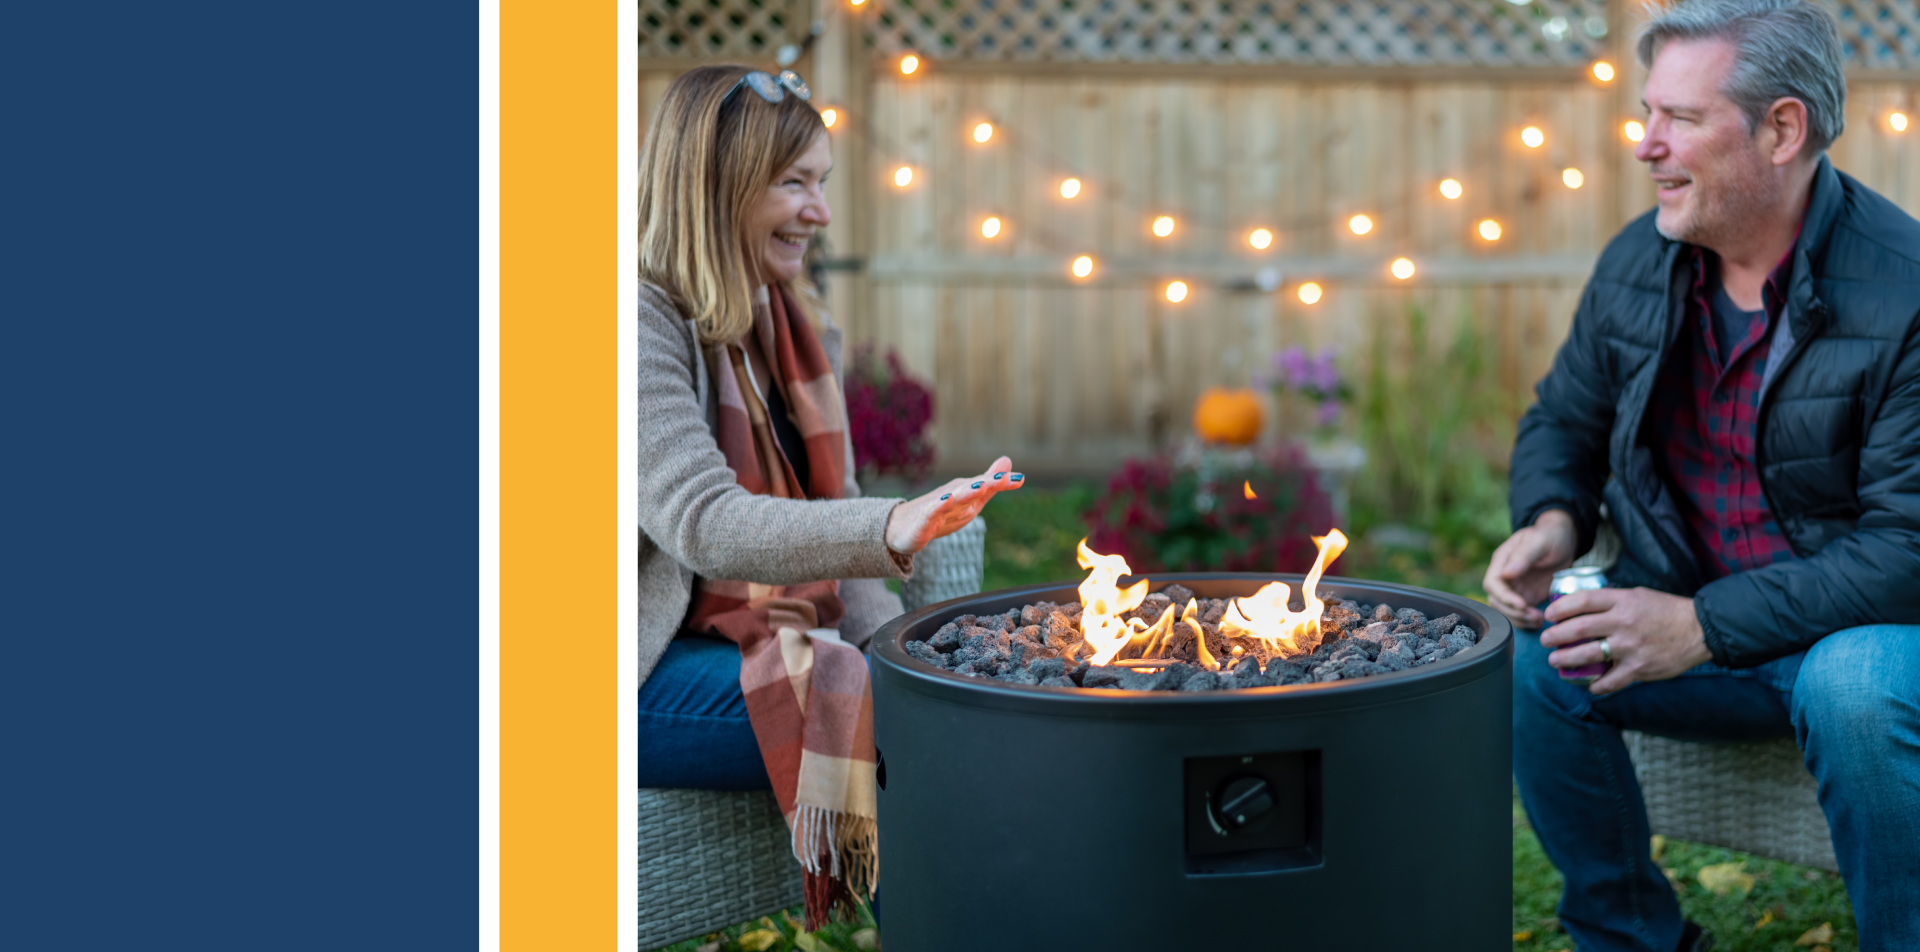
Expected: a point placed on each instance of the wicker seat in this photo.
(710, 859)
(1756, 798)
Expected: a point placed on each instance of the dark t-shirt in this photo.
(1730, 324)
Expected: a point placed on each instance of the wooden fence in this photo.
(1165, 118)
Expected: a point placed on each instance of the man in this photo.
(1740, 396)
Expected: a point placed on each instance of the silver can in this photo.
(1566, 582)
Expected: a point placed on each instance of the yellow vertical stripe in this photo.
(558, 466)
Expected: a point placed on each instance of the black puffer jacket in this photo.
(1839, 428)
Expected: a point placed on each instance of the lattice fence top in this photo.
(1303, 32)
(1877, 34)
(741, 29)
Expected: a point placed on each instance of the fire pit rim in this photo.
(1467, 666)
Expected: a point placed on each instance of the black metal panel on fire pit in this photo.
(1362, 814)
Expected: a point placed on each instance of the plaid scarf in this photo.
(806, 690)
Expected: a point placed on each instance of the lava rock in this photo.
(921, 651)
(1069, 609)
(1215, 611)
(1058, 682)
(1048, 668)
(1399, 659)
(1411, 616)
(946, 639)
(1374, 632)
(1467, 633)
(1178, 594)
(1201, 680)
(1102, 677)
(1457, 641)
(1175, 675)
(1245, 668)
(1017, 676)
(1442, 625)
(1384, 612)
(1032, 615)
(1136, 679)
(1059, 630)
(1079, 672)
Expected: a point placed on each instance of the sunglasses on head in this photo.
(771, 88)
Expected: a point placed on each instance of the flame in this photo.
(1102, 600)
(1265, 615)
(1247, 487)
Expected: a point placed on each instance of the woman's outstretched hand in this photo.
(916, 522)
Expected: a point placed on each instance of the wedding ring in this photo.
(1606, 651)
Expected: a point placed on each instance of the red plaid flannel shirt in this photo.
(1702, 424)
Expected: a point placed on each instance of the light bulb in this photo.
(1898, 121)
(908, 64)
(990, 227)
(1082, 266)
(1360, 224)
(1634, 130)
(1401, 268)
(1070, 188)
(1489, 229)
(1310, 293)
(1176, 291)
(1573, 178)
(1261, 239)
(1450, 188)
(1532, 136)
(829, 116)
(856, 2)
(903, 176)
(983, 132)
(1603, 71)
(1163, 226)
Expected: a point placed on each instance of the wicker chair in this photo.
(711, 859)
(1756, 798)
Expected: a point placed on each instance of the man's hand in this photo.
(1523, 566)
(1653, 635)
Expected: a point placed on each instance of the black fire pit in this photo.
(1365, 814)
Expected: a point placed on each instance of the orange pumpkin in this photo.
(1227, 416)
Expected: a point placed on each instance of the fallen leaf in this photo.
(1766, 919)
(713, 946)
(1822, 948)
(1818, 935)
(1673, 879)
(866, 940)
(792, 923)
(1659, 846)
(805, 942)
(1523, 936)
(759, 940)
(1724, 878)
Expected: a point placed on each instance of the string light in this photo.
(1083, 266)
(1603, 71)
(1634, 131)
(1898, 121)
(1260, 239)
(1310, 293)
(1401, 268)
(903, 176)
(1163, 226)
(856, 2)
(1450, 188)
(983, 132)
(1070, 188)
(908, 64)
(1489, 229)
(1176, 291)
(1573, 178)
(829, 116)
(1360, 224)
(1533, 137)
(990, 227)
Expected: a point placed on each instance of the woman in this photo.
(760, 563)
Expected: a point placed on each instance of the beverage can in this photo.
(1566, 582)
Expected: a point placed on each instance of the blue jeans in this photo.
(1852, 702)
(694, 732)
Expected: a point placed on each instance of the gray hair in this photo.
(1782, 49)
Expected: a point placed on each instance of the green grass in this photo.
(1032, 535)
(787, 934)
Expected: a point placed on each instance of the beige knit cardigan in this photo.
(696, 520)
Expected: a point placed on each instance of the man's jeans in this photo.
(1852, 702)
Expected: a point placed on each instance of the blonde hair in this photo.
(706, 163)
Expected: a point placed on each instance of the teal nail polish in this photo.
(946, 497)
(998, 475)
(979, 484)
(1018, 477)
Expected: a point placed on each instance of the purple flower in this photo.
(1328, 414)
